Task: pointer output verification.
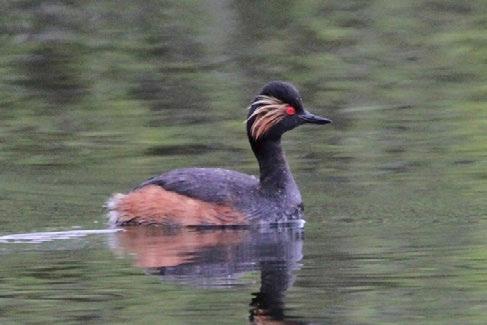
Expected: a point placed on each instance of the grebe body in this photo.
(220, 197)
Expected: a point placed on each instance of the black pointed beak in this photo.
(307, 117)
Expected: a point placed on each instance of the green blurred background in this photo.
(96, 96)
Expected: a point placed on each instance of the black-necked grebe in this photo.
(220, 197)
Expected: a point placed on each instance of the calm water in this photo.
(96, 97)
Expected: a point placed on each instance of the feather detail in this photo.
(153, 204)
(266, 116)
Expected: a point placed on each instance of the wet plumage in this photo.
(220, 197)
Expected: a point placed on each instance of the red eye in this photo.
(290, 110)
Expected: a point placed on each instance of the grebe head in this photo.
(277, 109)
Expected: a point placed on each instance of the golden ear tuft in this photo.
(266, 116)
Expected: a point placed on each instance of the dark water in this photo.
(97, 96)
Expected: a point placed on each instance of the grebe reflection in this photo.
(219, 258)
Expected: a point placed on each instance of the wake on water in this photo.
(40, 237)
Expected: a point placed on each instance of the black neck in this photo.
(275, 174)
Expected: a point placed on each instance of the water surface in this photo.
(96, 97)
